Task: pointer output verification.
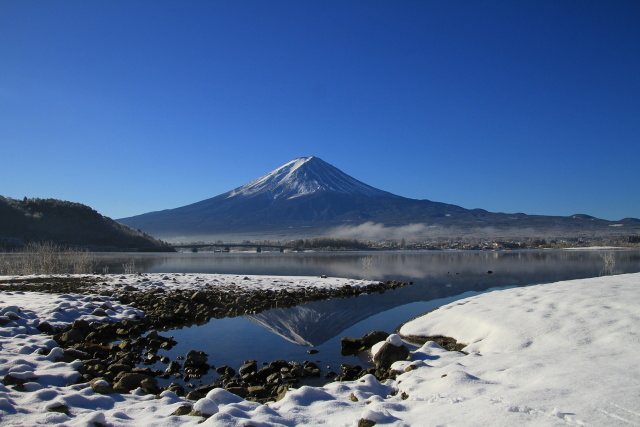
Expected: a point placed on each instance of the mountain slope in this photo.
(312, 196)
(67, 223)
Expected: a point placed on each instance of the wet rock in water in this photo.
(195, 364)
(351, 346)
(311, 369)
(349, 372)
(173, 368)
(225, 371)
(249, 367)
(330, 375)
(374, 337)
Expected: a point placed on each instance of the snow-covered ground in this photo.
(564, 353)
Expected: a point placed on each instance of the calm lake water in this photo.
(439, 278)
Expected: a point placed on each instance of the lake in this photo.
(439, 278)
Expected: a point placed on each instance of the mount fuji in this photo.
(307, 196)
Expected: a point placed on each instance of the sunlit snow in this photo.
(563, 353)
(303, 176)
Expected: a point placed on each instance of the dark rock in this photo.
(116, 368)
(330, 375)
(182, 410)
(389, 353)
(73, 336)
(195, 395)
(362, 422)
(101, 386)
(259, 391)
(128, 381)
(71, 354)
(279, 392)
(12, 316)
(278, 365)
(249, 367)
(81, 325)
(239, 391)
(99, 312)
(374, 337)
(15, 379)
(149, 386)
(61, 407)
(350, 346)
(45, 328)
(225, 371)
(275, 378)
(349, 372)
(176, 388)
(196, 359)
(173, 367)
(199, 297)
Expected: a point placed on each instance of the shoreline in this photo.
(535, 355)
(168, 301)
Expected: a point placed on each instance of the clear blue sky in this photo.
(510, 106)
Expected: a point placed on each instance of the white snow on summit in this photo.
(303, 176)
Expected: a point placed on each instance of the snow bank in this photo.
(560, 352)
(557, 354)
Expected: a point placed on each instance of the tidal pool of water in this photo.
(438, 277)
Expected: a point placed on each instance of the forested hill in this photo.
(69, 224)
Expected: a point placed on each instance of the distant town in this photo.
(441, 244)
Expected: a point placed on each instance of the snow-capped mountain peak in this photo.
(304, 176)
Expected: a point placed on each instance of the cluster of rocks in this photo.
(185, 307)
(117, 356)
(391, 351)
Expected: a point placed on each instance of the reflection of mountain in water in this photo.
(315, 323)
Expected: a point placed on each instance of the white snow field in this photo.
(564, 353)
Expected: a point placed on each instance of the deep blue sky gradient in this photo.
(136, 106)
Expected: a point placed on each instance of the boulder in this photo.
(389, 353)
(374, 337)
(350, 346)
